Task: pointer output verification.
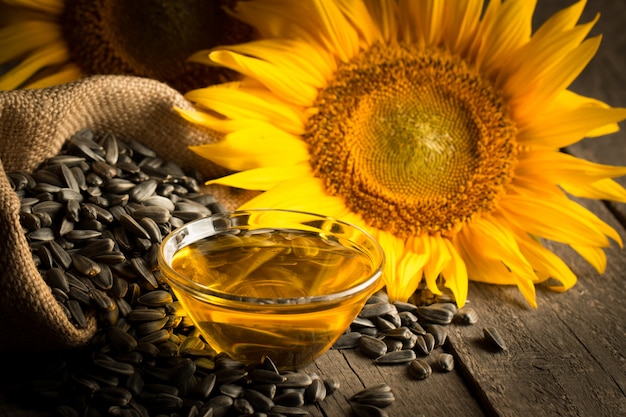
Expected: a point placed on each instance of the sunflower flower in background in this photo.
(434, 125)
(56, 41)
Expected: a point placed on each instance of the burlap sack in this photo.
(34, 124)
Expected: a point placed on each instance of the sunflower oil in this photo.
(267, 292)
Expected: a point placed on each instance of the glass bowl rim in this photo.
(200, 291)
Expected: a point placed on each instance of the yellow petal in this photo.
(66, 74)
(455, 274)
(357, 13)
(255, 148)
(53, 54)
(559, 129)
(545, 262)
(285, 84)
(385, 13)
(310, 64)
(20, 38)
(439, 258)
(509, 32)
(338, 34)
(561, 168)
(461, 18)
(263, 178)
(493, 246)
(561, 220)
(53, 7)
(605, 189)
(238, 103)
(421, 21)
(219, 124)
(303, 194)
(556, 79)
(532, 61)
(595, 256)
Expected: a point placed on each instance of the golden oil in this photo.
(267, 292)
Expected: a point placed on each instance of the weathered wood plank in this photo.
(565, 358)
(430, 397)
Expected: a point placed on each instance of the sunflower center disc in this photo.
(151, 38)
(414, 141)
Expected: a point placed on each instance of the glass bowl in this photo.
(271, 283)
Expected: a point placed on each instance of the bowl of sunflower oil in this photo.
(271, 283)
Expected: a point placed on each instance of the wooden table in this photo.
(566, 358)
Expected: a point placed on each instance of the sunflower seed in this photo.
(55, 277)
(377, 309)
(439, 332)
(466, 315)
(156, 298)
(77, 313)
(435, 314)
(121, 340)
(316, 392)
(113, 396)
(348, 340)
(446, 362)
(290, 399)
(420, 369)
(81, 235)
(371, 346)
(396, 357)
(265, 376)
(288, 411)
(493, 338)
(379, 395)
(401, 333)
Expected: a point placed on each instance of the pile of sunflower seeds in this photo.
(94, 216)
(404, 333)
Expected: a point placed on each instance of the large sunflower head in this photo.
(56, 41)
(435, 125)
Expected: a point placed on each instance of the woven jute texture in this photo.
(34, 125)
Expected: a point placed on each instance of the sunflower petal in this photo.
(545, 262)
(283, 83)
(557, 78)
(509, 32)
(561, 168)
(559, 129)
(532, 61)
(605, 189)
(263, 178)
(66, 74)
(455, 274)
(385, 13)
(595, 256)
(462, 18)
(303, 194)
(53, 54)
(22, 37)
(247, 103)
(561, 220)
(439, 258)
(255, 148)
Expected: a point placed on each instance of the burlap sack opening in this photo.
(34, 125)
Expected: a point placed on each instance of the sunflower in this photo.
(435, 125)
(57, 41)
